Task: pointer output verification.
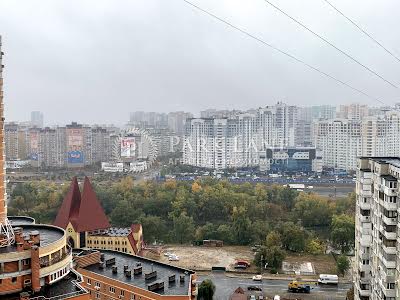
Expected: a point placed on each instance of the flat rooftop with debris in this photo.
(180, 285)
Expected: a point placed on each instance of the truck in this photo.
(242, 264)
(299, 287)
(328, 279)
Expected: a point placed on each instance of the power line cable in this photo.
(283, 52)
(331, 44)
(363, 31)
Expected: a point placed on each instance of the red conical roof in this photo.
(91, 214)
(82, 210)
(69, 209)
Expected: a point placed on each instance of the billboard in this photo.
(75, 146)
(34, 145)
(112, 167)
(128, 147)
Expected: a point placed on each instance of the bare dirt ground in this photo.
(323, 264)
(204, 258)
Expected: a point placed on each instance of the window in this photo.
(112, 289)
(97, 296)
(14, 279)
(390, 286)
(27, 282)
(89, 281)
(365, 262)
(133, 297)
(122, 293)
(97, 284)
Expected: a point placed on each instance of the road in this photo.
(226, 285)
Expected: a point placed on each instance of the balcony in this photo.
(389, 221)
(366, 240)
(365, 193)
(389, 293)
(365, 219)
(389, 191)
(363, 255)
(389, 205)
(363, 292)
(365, 205)
(60, 264)
(388, 263)
(389, 235)
(364, 268)
(389, 249)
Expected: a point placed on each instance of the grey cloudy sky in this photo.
(94, 61)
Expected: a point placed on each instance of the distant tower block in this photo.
(6, 231)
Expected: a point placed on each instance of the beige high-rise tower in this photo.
(6, 231)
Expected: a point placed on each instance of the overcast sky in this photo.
(95, 61)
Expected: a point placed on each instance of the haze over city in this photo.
(93, 63)
(199, 150)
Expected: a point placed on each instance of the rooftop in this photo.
(64, 287)
(389, 178)
(82, 210)
(163, 272)
(20, 220)
(113, 231)
(48, 235)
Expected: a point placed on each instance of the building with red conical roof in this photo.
(86, 224)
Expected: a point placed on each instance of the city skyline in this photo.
(89, 47)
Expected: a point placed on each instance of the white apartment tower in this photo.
(377, 259)
(236, 142)
(340, 142)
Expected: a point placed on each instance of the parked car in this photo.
(173, 258)
(252, 297)
(254, 288)
(167, 254)
(257, 278)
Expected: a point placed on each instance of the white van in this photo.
(328, 279)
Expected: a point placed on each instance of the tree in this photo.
(241, 225)
(183, 228)
(206, 290)
(342, 264)
(274, 256)
(350, 294)
(313, 210)
(342, 232)
(154, 228)
(293, 237)
(124, 214)
(273, 239)
(315, 247)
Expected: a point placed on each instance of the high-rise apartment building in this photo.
(377, 260)
(11, 140)
(37, 119)
(306, 117)
(342, 140)
(238, 141)
(142, 119)
(353, 111)
(177, 120)
(339, 141)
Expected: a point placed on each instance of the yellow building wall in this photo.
(109, 243)
(72, 234)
